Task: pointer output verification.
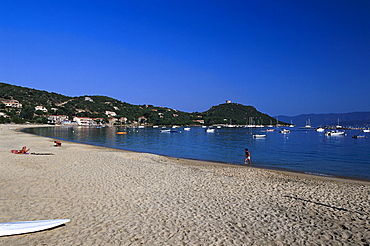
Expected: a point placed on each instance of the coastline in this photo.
(118, 197)
(190, 161)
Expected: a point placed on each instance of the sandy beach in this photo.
(115, 197)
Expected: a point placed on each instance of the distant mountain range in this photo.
(345, 119)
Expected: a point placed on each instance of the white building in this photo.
(110, 113)
(84, 121)
(11, 103)
(41, 108)
(57, 119)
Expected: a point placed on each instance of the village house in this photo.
(2, 114)
(141, 119)
(199, 121)
(11, 103)
(84, 121)
(57, 119)
(112, 121)
(110, 113)
(123, 119)
(41, 108)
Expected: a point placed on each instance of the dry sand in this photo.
(115, 197)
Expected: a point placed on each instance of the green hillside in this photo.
(237, 114)
(98, 106)
(29, 96)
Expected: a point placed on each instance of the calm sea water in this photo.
(300, 150)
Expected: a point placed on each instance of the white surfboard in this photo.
(20, 227)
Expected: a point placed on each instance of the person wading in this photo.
(247, 157)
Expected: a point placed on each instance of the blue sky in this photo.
(283, 57)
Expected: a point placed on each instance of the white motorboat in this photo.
(319, 129)
(366, 130)
(259, 136)
(284, 131)
(210, 130)
(334, 133)
(230, 126)
(186, 128)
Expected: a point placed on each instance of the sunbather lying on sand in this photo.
(24, 150)
(57, 144)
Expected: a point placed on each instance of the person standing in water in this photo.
(247, 157)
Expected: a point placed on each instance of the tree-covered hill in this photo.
(106, 109)
(29, 96)
(236, 114)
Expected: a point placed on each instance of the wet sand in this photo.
(116, 197)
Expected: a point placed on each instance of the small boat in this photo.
(284, 131)
(339, 126)
(259, 136)
(334, 133)
(319, 129)
(366, 130)
(210, 130)
(166, 130)
(308, 124)
(270, 130)
(186, 128)
(359, 136)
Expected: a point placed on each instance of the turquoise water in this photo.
(300, 150)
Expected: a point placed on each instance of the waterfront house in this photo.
(57, 119)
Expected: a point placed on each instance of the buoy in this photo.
(121, 132)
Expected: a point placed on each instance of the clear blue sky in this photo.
(283, 57)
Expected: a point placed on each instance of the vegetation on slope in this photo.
(97, 107)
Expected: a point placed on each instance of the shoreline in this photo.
(209, 162)
(118, 197)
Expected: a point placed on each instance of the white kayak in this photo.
(20, 227)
